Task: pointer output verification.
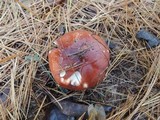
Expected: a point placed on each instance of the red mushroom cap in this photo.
(80, 60)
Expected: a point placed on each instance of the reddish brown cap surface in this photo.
(80, 60)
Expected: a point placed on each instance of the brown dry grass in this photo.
(28, 29)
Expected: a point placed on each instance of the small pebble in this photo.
(4, 94)
(110, 44)
(56, 114)
(61, 29)
(152, 40)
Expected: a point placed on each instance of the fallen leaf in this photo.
(34, 58)
(96, 112)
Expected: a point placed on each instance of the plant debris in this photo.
(75, 110)
(96, 112)
(29, 27)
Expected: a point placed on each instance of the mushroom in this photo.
(80, 60)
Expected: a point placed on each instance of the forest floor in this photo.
(28, 29)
